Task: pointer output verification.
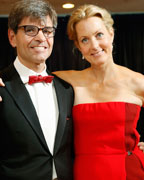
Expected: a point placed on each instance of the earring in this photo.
(82, 57)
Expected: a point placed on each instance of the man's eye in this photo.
(30, 30)
(46, 31)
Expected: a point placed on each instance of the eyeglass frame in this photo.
(38, 29)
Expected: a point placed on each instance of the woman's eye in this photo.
(85, 40)
(100, 34)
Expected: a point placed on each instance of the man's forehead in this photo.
(46, 20)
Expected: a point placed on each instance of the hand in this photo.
(141, 146)
(1, 84)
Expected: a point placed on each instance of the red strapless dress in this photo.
(105, 140)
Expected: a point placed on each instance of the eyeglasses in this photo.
(32, 30)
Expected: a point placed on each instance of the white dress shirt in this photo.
(44, 100)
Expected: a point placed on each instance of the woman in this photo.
(108, 99)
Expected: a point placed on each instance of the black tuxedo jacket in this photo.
(24, 154)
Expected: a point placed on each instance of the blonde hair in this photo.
(86, 11)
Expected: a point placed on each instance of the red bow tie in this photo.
(39, 78)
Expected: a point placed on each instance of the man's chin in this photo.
(40, 59)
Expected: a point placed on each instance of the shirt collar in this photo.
(25, 72)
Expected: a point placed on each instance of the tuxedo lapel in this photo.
(21, 96)
(62, 104)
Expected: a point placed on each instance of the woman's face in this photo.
(94, 40)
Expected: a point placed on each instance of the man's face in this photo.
(32, 51)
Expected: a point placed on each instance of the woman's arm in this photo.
(1, 84)
(141, 146)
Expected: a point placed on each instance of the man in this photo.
(35, 123)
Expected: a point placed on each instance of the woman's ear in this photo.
(12, 37)
(77, 45)
(111, 31)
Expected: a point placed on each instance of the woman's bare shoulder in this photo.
(134, 79)
(67, 75)
(130, 73)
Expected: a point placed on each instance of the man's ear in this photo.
(12, 37)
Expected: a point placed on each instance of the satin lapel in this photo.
(21, 96)
(62, 104)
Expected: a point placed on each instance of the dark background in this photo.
(128, 48)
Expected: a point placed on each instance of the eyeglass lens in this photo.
(31, 30)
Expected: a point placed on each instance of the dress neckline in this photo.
(107, 102)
